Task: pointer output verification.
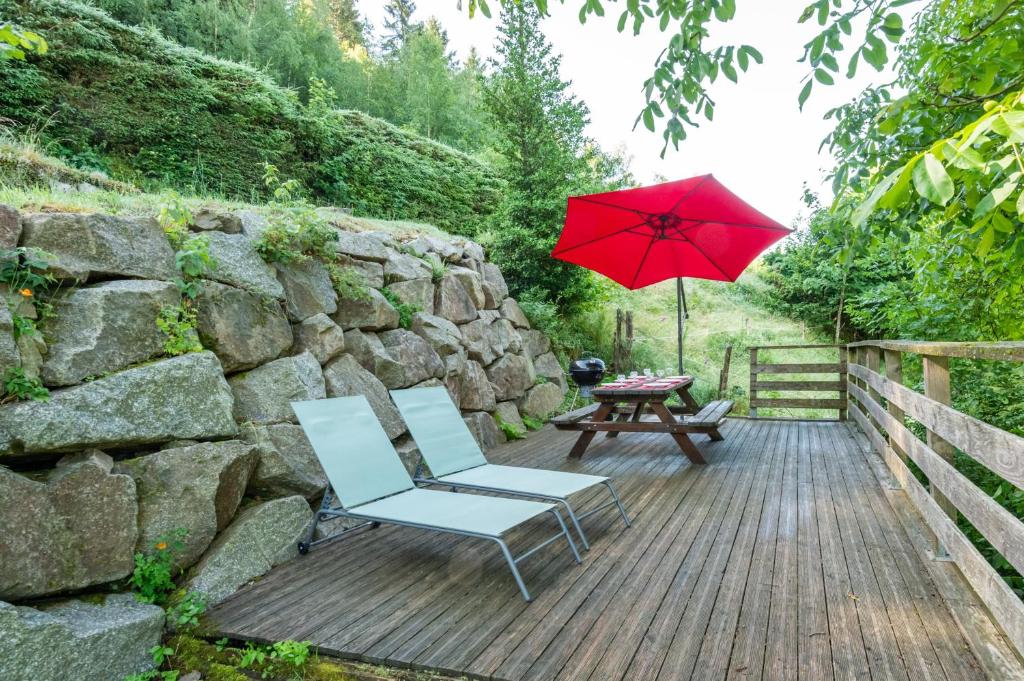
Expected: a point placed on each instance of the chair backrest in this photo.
(438, 429)
(353, 449)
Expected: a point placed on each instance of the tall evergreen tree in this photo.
(398, 24)
(348, 26)
(538, 126)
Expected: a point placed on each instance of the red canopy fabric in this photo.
(688, 228)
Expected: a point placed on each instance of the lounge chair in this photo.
(455, 460)
(369, 483)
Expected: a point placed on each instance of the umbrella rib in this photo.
(639, 267)
(701, 223)
(708, 258)
(612, 205)
(587, 243)
(687, 194)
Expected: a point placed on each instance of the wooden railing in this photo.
(760, 367)
(880, 403)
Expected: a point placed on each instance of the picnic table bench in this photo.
(627, 400)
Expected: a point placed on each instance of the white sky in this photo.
(760, 145)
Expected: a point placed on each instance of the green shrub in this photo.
(511, 430)
(153, 578)
(18, 386)
(348, 282)
(150, 112)
(405, 310)
(179, 325)
(532, 423)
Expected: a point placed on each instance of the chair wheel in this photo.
(303, 548)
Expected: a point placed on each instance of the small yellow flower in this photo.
(160, 546)
(26, 292)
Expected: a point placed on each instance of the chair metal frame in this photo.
(574, 517)
(329, 510)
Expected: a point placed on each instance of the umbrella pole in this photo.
(681, 316)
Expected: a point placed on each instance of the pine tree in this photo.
(345, 20)
(398, 24)
(539, 127)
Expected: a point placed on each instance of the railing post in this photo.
(894, 372)
(843, 378)
(936, 386)
(872, 361)
(753, 381)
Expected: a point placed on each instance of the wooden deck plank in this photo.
(782, 558)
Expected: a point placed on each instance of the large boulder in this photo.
(242, 328)
(239, 265)
(473, 283)
(197, 488)
(372, 273)
(265, 394)
(475, 390)
(10, 226)
(307, 289)
(259, 538)
(441, 334)
(452, 302)
(484, 429)
(361, 245)
(424, 244)
(212, 220)
(492, 275)
(454, 370)
(371, 312)
(85, 640)
(534, 342)
(512, 375)
(416, 292)
(319, 336)
(476, 337)
(73, 531)
(345, 376)
(511, 311)
(492, 295)
(287, 465)
(403, 267)
(104, 328)
(100, 246)
(414, 357)
(179, 398)
(368, 349)
(547, 367)
(541, 400)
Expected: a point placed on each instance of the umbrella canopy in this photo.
(688, 228)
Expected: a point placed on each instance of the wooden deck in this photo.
(784, 558)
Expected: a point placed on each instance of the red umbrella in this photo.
(688, 228)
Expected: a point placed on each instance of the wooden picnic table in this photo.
(636, 394)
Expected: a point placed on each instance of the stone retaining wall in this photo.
(133, 444)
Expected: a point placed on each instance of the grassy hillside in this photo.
(147, 111)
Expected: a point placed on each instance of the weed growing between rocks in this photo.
(153, 578)
(193, 261)
(296, 231)
(406, 311)
(511, 430)
(18, 386)
(532, 423)
(347, 282)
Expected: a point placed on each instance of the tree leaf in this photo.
(988, 238)
(932, 181)
(805, 93)
(823, 76)
(995, 197)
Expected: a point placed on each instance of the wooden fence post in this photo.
(894, 372)
(753, 381)
(723, 377)
(844, 353)
(936, 386)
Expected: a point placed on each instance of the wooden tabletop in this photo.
(642, 385)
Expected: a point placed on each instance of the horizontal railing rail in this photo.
(880, 403)
(760, 369)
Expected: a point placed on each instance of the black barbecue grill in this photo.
(586, 373)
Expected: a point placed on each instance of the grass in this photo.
(720, 314)
(28, 174)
